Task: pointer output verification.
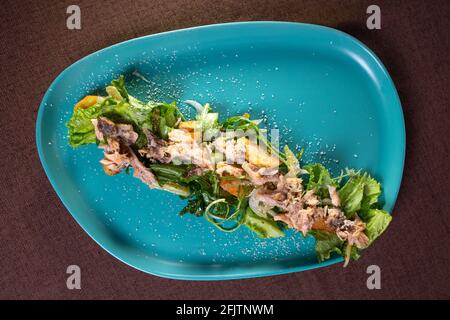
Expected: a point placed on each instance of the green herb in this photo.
(319, 179)
(204, 190)
(376, 221)
(119, 84)
(360, 192)
(162, 118)
(263, 227)
(328, 243)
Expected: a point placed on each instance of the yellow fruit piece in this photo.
(258, 156)
(114, 93)
(188, 125)
(87, 102)
(196, 135)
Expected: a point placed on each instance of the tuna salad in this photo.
(229, 172)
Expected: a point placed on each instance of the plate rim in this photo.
(215, 276)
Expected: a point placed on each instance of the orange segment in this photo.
(231, 186)
(87, 102)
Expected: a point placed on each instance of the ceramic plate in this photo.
(322, 88)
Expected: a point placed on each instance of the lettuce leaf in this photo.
(208, 119)
(119, 109)
(81, 129)
(319, 179)
(327, 243)
(292, 162)
(264, 228)
(351, 195)
(372, 190)
(376, 222)
(360, 192)
(119, 84)
(162, 118)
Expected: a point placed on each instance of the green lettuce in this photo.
(319, 179)
(207, 119)
(263, 227)
(81, 130)
(162, 118)
(358, 195)
(292, 163)
(360, 192)
(376, 222)
(119, 84)
(372, 190)
(328, 243)
(120, 107)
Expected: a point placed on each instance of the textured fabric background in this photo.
(39, 238)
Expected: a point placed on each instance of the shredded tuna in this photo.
(303, 220)
(318, 218)
(353, 232)
(266, 200)
(268, 171)
(115, 162)
(140, 171)
(224, 169)
(115, 159)
(156, 149)
(283, 218)
(184, 149)
(98, 134)
(294, 185)
(335, 218)
(310, 198)
(233, 150)
(106, 128)
(197, 171)
(335, 200)
(179, 135)
(256, 178)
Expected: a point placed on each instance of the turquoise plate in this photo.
(322, 88)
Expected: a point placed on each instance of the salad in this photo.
(229, 172)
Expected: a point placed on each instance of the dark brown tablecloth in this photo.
(39, 238)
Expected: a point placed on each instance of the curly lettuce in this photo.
(121, 107)
(360, 192)
(81, 129)
(359, 196)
